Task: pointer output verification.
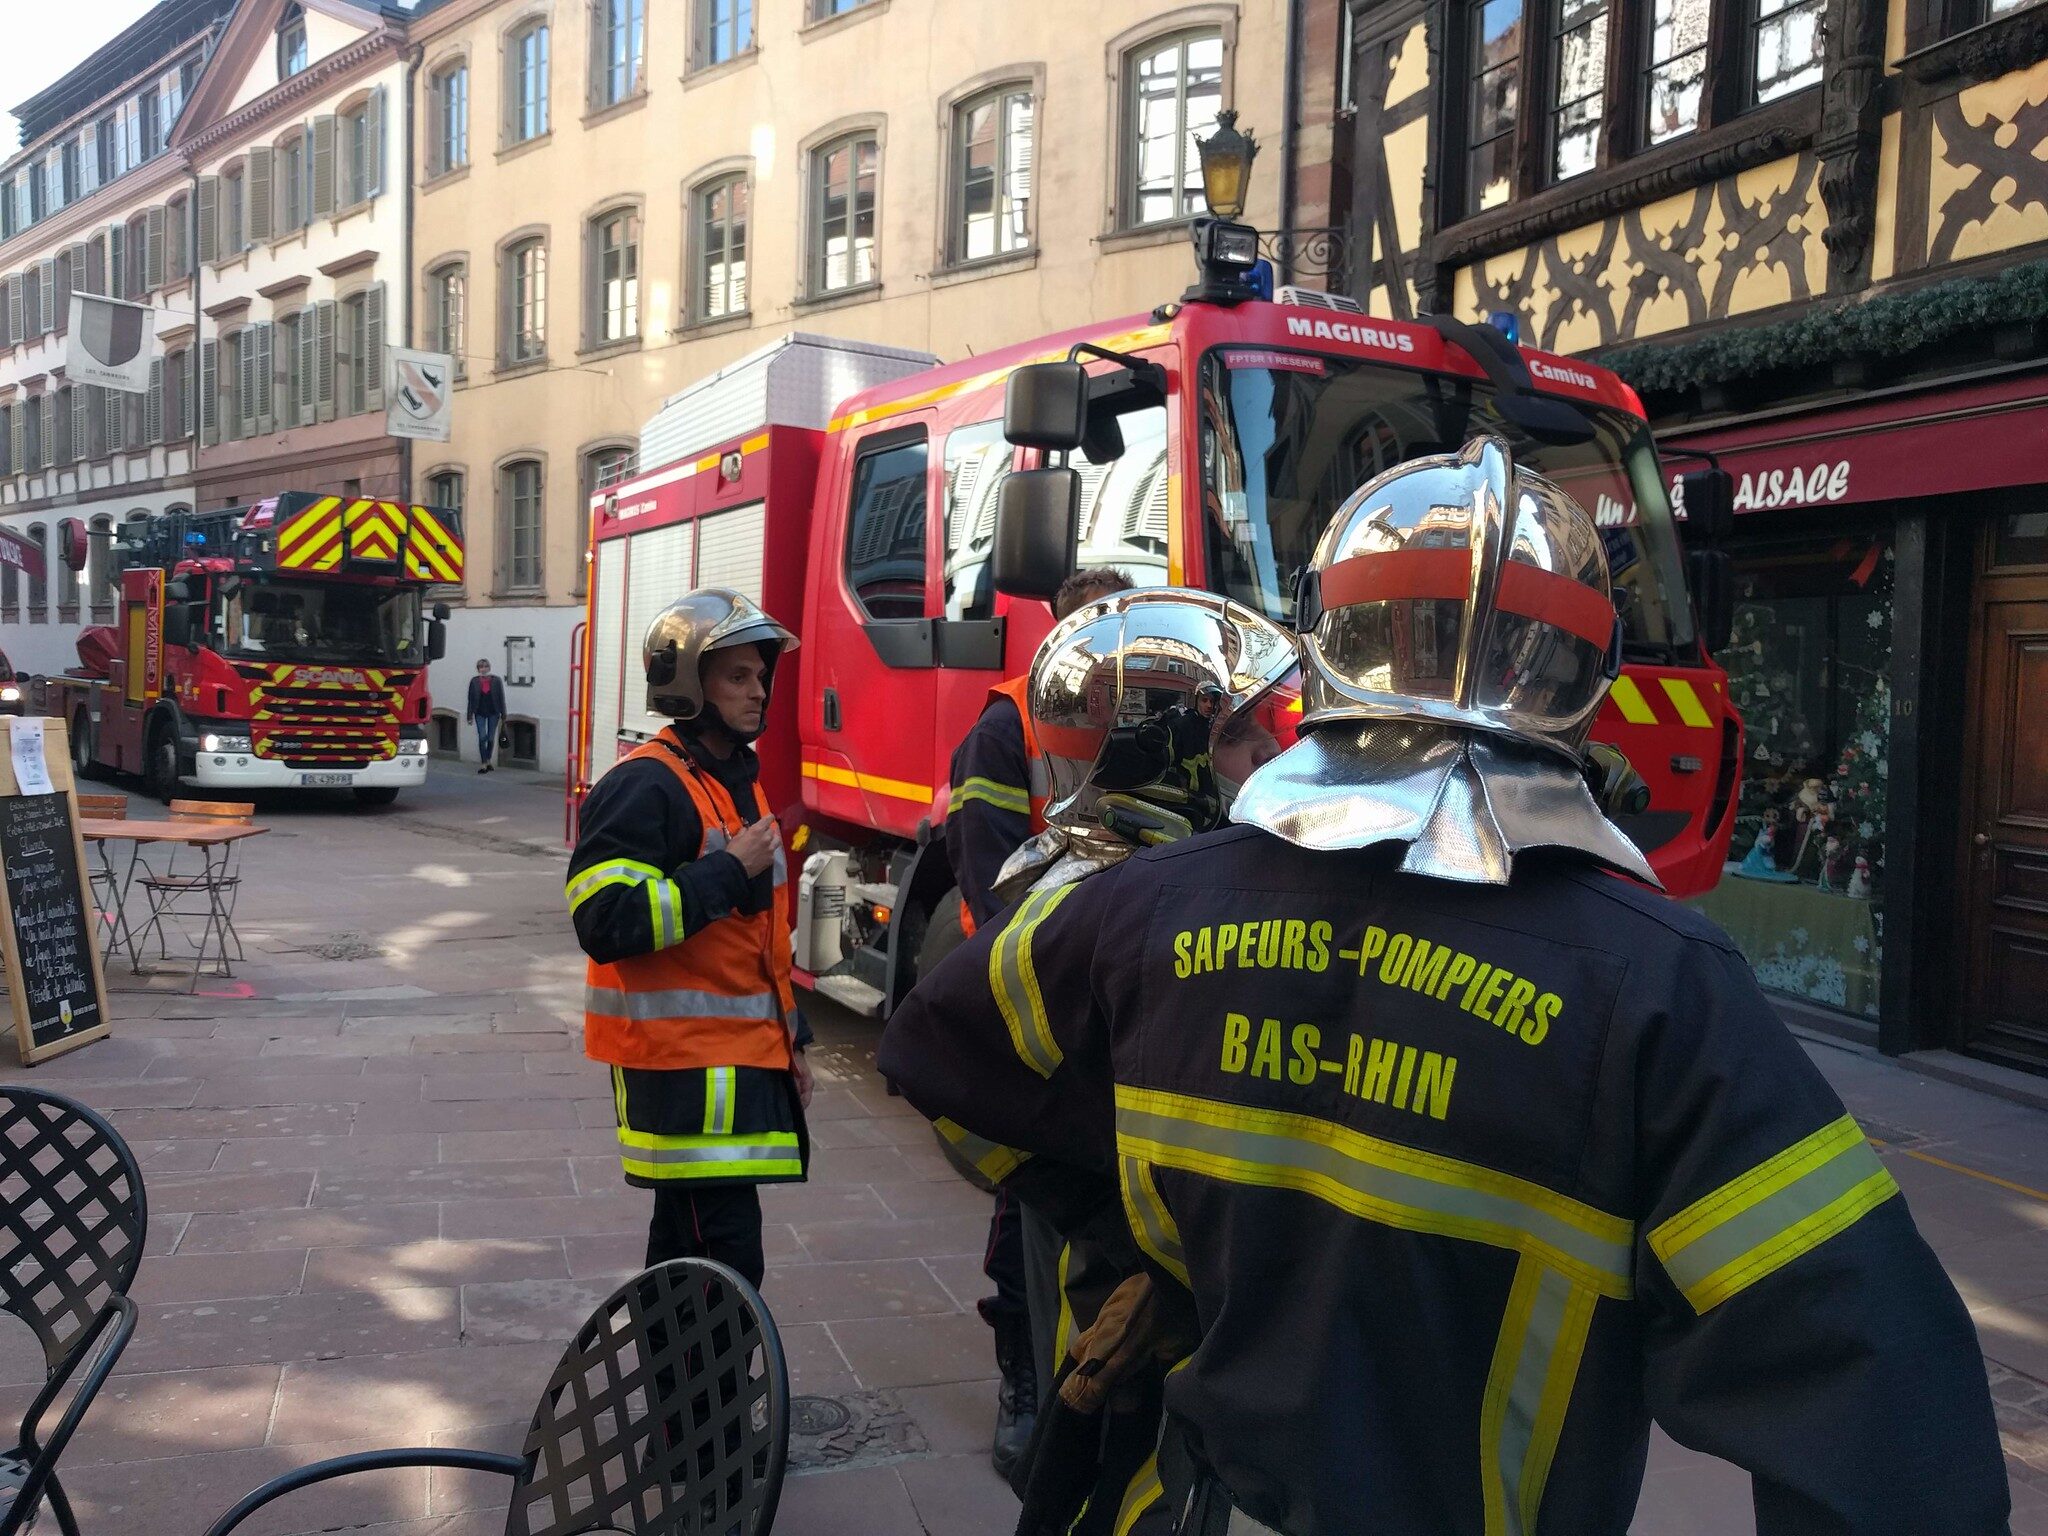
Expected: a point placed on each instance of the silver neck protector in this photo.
(1464, 803)
(1059, 856)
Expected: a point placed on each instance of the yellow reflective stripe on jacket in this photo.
(1014, 981)
(665, 912)
(995, 1161)
(720, 1089)
(1150, 1221)
(1376, 1180)
(1004, 797)
(1782, 1208)
(1144, 1491)
(1535, 1363)
(587, 883)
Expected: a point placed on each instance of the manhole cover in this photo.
(817, 1415)
(843, 1431)
(346, 946)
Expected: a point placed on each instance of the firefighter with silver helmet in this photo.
(679, 892)
(1475, 1153)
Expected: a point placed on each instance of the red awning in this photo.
(1974, 437)
(21, 554)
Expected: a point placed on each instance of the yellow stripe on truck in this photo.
(895, 789)
(1628, 698)
(1686, 702)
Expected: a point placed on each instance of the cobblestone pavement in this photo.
(383, 1192)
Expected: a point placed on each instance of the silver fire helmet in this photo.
(1142, 700)
(695, 624)
(1458, 637)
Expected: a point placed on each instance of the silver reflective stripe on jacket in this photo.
(679, 1003)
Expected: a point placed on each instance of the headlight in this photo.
(9, 693)
(414, 748)
(213, 743)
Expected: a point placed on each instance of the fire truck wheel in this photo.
(160, 773)
(82, 763)
(382, 794)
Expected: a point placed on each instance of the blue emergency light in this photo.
(1260, 279)
(1507, 322)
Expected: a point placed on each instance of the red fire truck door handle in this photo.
(832, 721)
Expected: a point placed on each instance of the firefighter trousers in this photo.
(708, 1221)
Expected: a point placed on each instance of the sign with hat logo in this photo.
(109, 343)
(419, 396)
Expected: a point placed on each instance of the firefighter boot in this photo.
(1016, 1395)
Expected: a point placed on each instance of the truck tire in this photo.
(82, 763)
(942, 935)
(160, 762)
(380, 794)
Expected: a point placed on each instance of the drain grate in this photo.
(846, 1431)
(346, 946)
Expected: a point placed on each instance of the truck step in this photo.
(852, 993)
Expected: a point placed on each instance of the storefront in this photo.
(1890, 858)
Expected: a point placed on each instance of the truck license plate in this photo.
(326, 780)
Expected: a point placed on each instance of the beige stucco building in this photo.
(615, 198)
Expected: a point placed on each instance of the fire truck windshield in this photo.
(1287, 437)
(318, 621)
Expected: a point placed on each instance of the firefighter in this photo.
(997, 801)
(1476, 1154)
(678, 889)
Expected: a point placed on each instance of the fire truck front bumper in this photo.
(245, 770)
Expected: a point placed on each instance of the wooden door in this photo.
(2005, 862)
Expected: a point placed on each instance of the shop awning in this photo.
(1974, 437)
(21, 554)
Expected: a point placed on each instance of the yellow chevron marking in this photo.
(1686, 702)
(1628, 698)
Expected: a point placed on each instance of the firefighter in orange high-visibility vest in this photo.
(997, 804)
(679, 892)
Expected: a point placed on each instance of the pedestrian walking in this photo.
(996, 804)
(1474, 1152)
(679, 891)
(487, 708)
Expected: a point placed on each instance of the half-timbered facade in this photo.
(1814, 235)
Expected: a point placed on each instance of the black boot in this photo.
(1016, 1394)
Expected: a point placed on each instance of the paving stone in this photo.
(501, 1041)
(958, 1495)
(493, 1146)
(962, 1276)
(172, 1093)
(229, 1124)
(816, 1364)
(336, 1047)
(401, 1062)
(618, 1254)
(937, 1235)
(332, 1228)
(230, 1191)
(935, 1197)
(332, 1067)
(260, 1092)
(958, 1418)
(218, 1276)
(399, 1266)
(487, 1115)
(192, 1335)
(859, 1501)
(157, 1157)
(420, 1024)
(176, 1413)
(404, 1399)
(330, 1152)
(915, 1351)
(564, 1215)
(524, 1311)
(817, 1202)
(831, 1293)
(186, 1492)
(521, 1088)
(443, 1181)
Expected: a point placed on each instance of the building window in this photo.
(618, 50)
(1172, 92)
(135, 265)
(1677, 70)
(1496, 82)
(360, 148)
(291, 42)
(39, 581)
(445, 490)
(450, 96)
(355, 348)
(718, 287)
(524, 283)
(233, 223)
(446, 311)
(1787, 44)
(519, 508)
(615, 270)
(289, 167)
(992, 175)
(822, 10)
(885, 536)
(526, 84)
(1579, 86)
(178, 238)
(725, 30)
(843, 177)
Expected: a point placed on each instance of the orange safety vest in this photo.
(1017, 690)
(721, 997)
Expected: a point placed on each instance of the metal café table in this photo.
(212, 840)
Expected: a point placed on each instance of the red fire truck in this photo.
(278, 645)
(853, 491)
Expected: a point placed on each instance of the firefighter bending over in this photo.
(679, 892)
(997, 801)
(1475, 1157)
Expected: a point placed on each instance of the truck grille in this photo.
(339, 717)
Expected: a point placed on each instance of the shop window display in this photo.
(1809, 669)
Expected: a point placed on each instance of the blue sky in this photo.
(45, 40)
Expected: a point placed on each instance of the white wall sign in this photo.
(109, 343)
(519, 661)
(419, 395)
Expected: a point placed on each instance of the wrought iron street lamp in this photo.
(1227, 157)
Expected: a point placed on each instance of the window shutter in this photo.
(100, 444)
(258, 181)
(321, 172)
(323, 360)
(153, 421)
(373, 142)
(265, 370)
(372, 362)
(133, 418)
(305, 403)
(345, 360)
(82, 403)
(49, 454)
(61, 265)
(17, 436)
(208, 205)
(7, 313)
(117, 259)
(111, 411)
(88, 159)
(209, 392)
(46, 298)
(153, 250)
(74, 257)
(96, 266)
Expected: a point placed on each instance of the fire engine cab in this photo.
(854, 490)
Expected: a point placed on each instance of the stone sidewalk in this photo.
(383, 1192)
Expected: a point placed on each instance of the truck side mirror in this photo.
(1711, 574)
(1706, 506)
(1038, 526)
(437, 635)
(1045, 405)
(441, 612)
(177, 590)
(177, 624)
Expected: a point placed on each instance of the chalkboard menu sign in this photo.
(46, 912)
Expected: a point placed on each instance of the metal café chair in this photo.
(208, 897)
(73, 1217)
(106, 884)
(668, 1415)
